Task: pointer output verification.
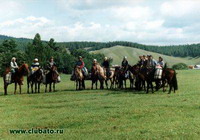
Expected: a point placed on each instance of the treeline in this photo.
(44, 50)
(192, 50)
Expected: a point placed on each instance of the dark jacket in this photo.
(106, 64)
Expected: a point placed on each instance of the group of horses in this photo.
(34, 79)
(141, 78)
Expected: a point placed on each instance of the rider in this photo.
(52, 63)
(80, 64)
(151, 63)
(95, 62)
(14, 67)
(161, 62)
(159, 69)
(125, 66)
(35, 66)
(106, 66)
(141, 61)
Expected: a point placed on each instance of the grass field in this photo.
(105, 114)
(118, 52)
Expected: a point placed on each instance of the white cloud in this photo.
(180, 8)
(9, 8)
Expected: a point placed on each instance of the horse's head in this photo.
(24, 69)
(135, 69)
(53, 68)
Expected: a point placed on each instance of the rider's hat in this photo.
(13, 58)
(36, 60)
(80, 57)
(94, 60)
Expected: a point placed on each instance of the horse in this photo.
(145, 74)
(139, 80)
(79, 78)
(169, 76)
(110, 78)
(51, 77)
(18, 77)
(94, 76)
(101, 75)
(35, 79)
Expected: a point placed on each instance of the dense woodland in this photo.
(43, 50)
(66, 53)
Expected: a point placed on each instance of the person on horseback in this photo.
(94, 62)
(125, 66)
(50, 64)
(151, 63)
(80, 64)
(161, 62)
(14, 67)
(35, 66)
(106, 66)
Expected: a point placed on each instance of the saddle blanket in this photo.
(158, 74)
(8, 78)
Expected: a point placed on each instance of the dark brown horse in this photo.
(18, 77)
(169, 76)
(94, 76)
(35, 79)
(51, 78)
(145, 74)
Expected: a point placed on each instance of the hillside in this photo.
(117, 53)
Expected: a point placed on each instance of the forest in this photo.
(66, 53)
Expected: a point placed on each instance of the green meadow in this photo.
(104, 114)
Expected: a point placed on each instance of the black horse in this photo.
(35, 79)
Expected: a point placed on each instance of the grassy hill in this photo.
(117, 53)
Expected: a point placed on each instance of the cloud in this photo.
(9, 8)
(96, 4)
(155, 22)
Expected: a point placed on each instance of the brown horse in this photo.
(94, 76)
(169, 76)
(18, 77)
(51, 77)
(35, 79)
(79, 78)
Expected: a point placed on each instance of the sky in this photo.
(154, 22)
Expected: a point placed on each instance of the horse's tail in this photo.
(174, 81)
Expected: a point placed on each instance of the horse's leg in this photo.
(96, 83)
(27, 86)
(35, 87)
(50, 87)
(5, 88)
(80, 85)
(54, 89)
(152, 87)
(125, 83)
(170, 88)
(20, 88)
(15, 88)
(39, 87)
(83, 84)
(92, 84)
(147, 87)
(76, 85)
(106, 81)
(45, 87)
(32, 87)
